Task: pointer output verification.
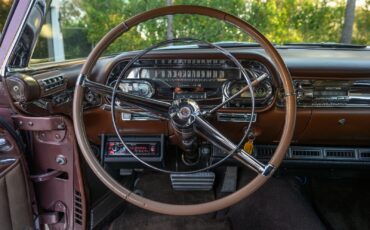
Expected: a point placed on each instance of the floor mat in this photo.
(279, 204)
(342, 203)
(137, 219)
(158, 187)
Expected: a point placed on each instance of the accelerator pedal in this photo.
(202, 181)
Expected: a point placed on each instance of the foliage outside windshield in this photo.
(5, 6)
(82, 23)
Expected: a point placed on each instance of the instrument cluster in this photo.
(208, 81)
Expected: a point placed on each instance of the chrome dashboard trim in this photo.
(5, 161)
(142, 116)
(319, 93)
(236, 117)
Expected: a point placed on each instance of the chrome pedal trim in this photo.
(202, 181)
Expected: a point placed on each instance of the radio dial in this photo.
(115, 147)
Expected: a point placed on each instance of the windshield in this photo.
(74, 26)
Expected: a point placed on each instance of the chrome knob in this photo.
(4, 145)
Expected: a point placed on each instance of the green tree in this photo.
(297, 20)
(361, 31)
(4, 10)
(74, 30)
(349, 19)
(281, 21)
(101, 16)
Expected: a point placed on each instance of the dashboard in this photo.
(207, 81)
(332, 89)
(212, 81)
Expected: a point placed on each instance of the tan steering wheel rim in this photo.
(193, 209)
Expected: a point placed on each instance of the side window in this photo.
(59, 38)
(5, 6)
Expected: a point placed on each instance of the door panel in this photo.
(15, 208)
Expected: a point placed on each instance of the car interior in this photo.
(178, 131)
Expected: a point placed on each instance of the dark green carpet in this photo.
(277, 205)
(343, 203)
(158, 187)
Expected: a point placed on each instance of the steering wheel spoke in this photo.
(152, 105)
(211, 134)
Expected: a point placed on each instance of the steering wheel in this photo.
(185, 113)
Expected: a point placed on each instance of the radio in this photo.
(330, 93)
(148, 148)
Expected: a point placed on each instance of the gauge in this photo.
(144, 89)
(263, 94)
(256, 67)
(139, 88)
(261, 91)
(235, 88)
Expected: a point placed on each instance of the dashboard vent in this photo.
(340, 153)
(52, 82)
(364, 154)
(306, 153)
(264, 151)
(78, 208)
